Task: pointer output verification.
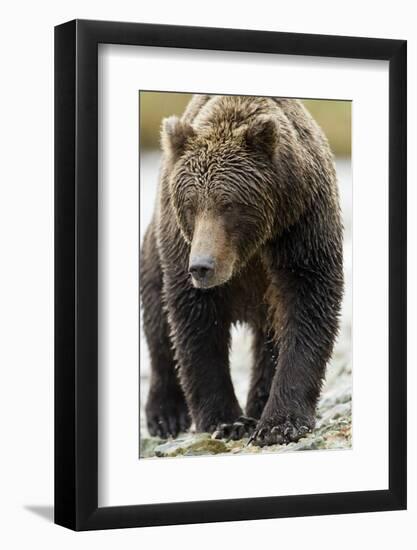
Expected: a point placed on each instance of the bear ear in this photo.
(174, 136)
(262, 135)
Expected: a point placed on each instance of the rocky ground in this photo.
(334, 414)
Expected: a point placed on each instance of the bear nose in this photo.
(201, 267)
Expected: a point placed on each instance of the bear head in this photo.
(223, 192)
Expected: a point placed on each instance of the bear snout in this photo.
(211, 258)
(202, 269)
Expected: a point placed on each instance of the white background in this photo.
(27, 272)
(123, 479)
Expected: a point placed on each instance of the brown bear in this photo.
(247, 228)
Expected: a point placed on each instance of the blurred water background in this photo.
(334, 411)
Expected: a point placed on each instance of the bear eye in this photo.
(227, 207)
(188, 210)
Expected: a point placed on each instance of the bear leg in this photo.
(201, 333)
(166, 409)
(265, 352)
(307, 326)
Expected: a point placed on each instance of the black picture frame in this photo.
(76, 272)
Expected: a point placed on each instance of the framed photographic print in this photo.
(230, 253)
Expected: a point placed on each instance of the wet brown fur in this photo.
(260, 174)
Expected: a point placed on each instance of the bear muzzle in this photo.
(211, 258)
(201, 270)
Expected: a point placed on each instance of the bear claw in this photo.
(280, 434)
(169, 423)
(242, 427)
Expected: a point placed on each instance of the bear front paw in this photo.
(269, 432)
(167, 416)
(242, 427)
